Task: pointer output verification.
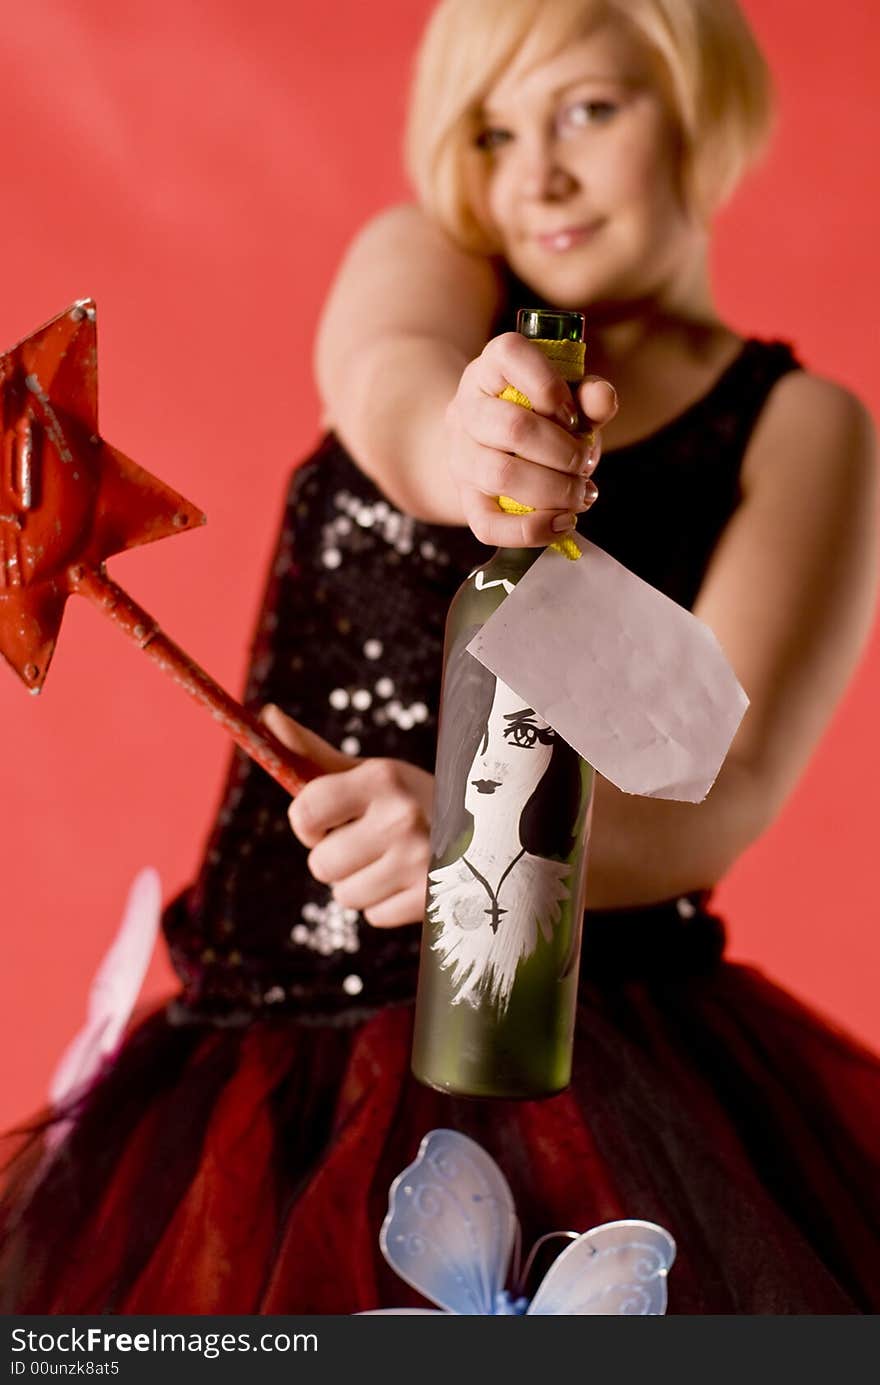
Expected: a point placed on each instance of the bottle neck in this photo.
(512, 563)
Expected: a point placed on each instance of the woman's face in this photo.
(583, 180)
(511, 758)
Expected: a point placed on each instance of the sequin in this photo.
(361, 699)
(331, 557)
(373, 649)
(419, 712)
(334, 928)
(338, 699)
(350, 746)
(385, 687)
(352, 985)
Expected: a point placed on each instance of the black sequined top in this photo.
(349, 642)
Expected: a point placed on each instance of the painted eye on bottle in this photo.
(526, 735)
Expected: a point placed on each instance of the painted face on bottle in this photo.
(582, 181)
(511, 759)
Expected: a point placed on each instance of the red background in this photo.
(198, 167)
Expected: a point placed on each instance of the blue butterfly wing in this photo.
(402, 1313)
(618, 1268)
(451, 1224)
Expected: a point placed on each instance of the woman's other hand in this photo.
(366, 823)
(541, 457)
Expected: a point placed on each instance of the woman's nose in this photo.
(544, 174)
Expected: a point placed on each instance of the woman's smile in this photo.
(567, 237)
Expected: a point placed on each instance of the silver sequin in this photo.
(334, 928)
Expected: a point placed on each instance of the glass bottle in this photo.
(510, 828)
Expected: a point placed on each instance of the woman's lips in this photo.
(486, 785)
(567, 238)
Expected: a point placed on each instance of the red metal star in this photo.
(69, 501)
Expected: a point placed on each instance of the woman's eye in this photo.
(489, 140)
(584, 113)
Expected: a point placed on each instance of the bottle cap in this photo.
(550, 324)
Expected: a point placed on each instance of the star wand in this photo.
(69, 501)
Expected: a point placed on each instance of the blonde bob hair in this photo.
(710, 67)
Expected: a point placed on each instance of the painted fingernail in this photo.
(566, 415)
(562, 523)
(591, 490)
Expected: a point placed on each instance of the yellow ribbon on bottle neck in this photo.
(568, 360)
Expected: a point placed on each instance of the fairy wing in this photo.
(451, 1224)
(617, 1268)
(114, 990)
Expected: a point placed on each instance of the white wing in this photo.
(451, 1224)
(617, 1268)
(114, 990)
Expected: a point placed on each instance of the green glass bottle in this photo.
(510, 829)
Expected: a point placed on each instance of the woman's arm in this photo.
(407, 312)
(790, 594)
(410, 383)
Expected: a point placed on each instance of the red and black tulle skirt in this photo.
(216, 1169)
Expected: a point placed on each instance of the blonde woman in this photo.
(236, 1154)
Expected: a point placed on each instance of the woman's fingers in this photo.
(511, 429)
(406, 907)
(491, 525)
(303, 741)
(598, 400)
(344, 851)
(331, 801)
(403, 867)
(499, 473)
(510, 359)
(390, 818)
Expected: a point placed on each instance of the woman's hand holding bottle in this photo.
(543, 457)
